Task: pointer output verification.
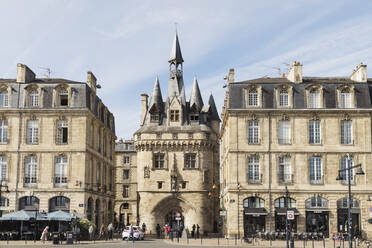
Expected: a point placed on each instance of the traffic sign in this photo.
(290, 215)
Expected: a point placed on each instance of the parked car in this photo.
(137, 233)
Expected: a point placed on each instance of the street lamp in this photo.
(286, 217)
(340, 176)
(7, 191)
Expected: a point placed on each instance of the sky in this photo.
(126, 44)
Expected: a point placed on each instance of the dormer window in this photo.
(174, 115)
(33, 98)
(194, 117)
(314, 99)
(155, 117)
(3, 98)
(252, 97)
(345, 98)
(63, 97)
(283, 98)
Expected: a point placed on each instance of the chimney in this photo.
(144, 98)
(24, 74)
(230, 78)
(91, 81)
(359, 74)
(295, 73)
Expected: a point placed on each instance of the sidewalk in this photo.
(50, 243)
(214, 242)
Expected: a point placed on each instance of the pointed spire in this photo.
(196, 98)
(176, 54)
(214, 112)
(156, 97)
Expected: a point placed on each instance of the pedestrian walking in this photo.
(131, 233)
(102, 232)
(44, 235)
(158, 230)
(167, 229)
(197, 230)
(110, 230)
(90, 230)
(193, 231)
(143, 227)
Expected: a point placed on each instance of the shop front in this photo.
(254, 216)
(317, 216)
(281, 215)
(342, 216)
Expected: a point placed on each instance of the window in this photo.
(194, 117)
(63, 97)
(98, 174)
(104, 145)
(346, 163)
(30, 171)
(125, 174)
(125, 206)
(62, 132)
(104, 175)
(253, 202)
(283, 98)
(99, 140)
(125, 191)
(184, 185)
(253, 170)
(253, 132)
(174, 136)
(4, 202)
(252, 97)
(3, 131)
(126, 159)
(284, 132)
(3, 98)
(345, 98)
(160, 185)
(316, 202)
(32, 132)
(2, 168)
(174, 115)
(316, 170)
(314, 132)
(33, 98)
(60, 171)
(206, 177)
(190, 160)
(280, 202)
(159, 161)
(346, 132)
(285, 175)
(154, 117)
(314, 99)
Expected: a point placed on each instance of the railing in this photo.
(285, 178)
(255, 180)
(316, 181)
(284, 141)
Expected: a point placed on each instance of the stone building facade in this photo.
(126, 207)
(57, 143)
(178, 154)
(296, 132)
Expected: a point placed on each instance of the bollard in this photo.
(304, 243)
(178, 237)
(218, 240)
(312, 242)
(323, 242)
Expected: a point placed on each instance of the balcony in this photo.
(316, 181)
(284, 141)
(285, 178)
(253, 179)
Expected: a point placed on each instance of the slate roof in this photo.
(362, 91)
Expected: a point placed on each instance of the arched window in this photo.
(252, 97)
(345, 98)
(283, 98)
(90, 209)
(343, 203)
(33, 98)
(3, 98)
(280, 202)
(316, 202)
(29, 203)
(254, 202)
(59, 203)
(314, 98)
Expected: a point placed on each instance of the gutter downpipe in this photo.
(270, 177)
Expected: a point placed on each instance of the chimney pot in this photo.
(91, 81)
(24, 74)
(359, 74)
(295, 72)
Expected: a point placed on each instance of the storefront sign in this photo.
(290, 215)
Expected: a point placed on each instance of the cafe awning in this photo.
(255, 211)
(59, 216)
(23, 215)
(283, 211)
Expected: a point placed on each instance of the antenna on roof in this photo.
(47, 70)
(278, 69)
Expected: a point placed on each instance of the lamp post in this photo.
(341, 174)
(238, 186)
(7, 191)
